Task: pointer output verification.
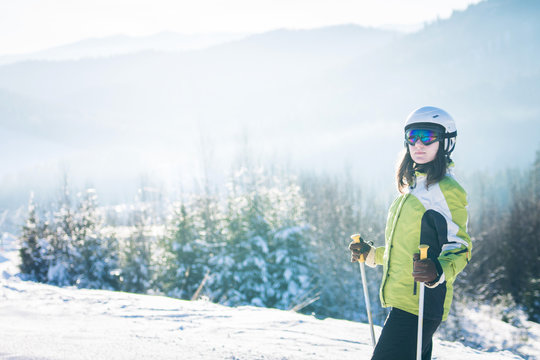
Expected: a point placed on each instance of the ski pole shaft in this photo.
(361, 261)
(423, 255)
(368, 305)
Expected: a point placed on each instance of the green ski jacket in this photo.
(437, 217)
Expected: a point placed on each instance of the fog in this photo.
(331, 100)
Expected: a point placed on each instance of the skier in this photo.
(431, 209)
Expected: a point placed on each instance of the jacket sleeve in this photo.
(375, 256)
(456, 251)
(379, 254)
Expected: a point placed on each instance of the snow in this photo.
(47, 322)
(483, 329)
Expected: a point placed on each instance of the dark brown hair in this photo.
(435, 170)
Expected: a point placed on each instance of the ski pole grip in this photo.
(423, 251)
(356, 239)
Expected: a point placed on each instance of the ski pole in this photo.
(423, 255)
(356, 238)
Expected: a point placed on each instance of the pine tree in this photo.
(292, 273)
(250, 234)
(97, 265)
(137, 265)
(208, 217)
(185, 260)
(63, 255)
(239, 265)
(266, 257)
(290, 268)
(33, 249)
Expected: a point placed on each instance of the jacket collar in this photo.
(420, 176)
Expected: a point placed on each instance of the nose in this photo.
(419, 144)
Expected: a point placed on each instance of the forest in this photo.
(272, 239)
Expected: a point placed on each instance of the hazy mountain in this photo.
(319, 98)
(225, 87)
(481, 64)
(123, 44)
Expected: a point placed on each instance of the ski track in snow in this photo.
(40, 321)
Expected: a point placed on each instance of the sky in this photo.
(33, 25)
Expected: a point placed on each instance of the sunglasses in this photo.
(427, 137)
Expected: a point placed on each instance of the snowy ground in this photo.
(46, 322)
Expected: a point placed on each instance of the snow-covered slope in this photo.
(46, 322)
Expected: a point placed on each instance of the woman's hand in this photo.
(424, 270)
(359, 248)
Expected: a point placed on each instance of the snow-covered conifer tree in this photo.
(97, 265)
(265, 258)
(34, 245)
(185, 258)
(63, 254)
(137, 263)
(290, 258)
(239, 271)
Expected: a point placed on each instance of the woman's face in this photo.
(422, 154)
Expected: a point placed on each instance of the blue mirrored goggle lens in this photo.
(427, 137)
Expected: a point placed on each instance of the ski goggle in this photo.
(427, 137)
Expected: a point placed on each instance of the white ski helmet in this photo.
(437, 119)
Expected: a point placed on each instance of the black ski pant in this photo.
(398, 337)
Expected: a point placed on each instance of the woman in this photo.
(432, 210)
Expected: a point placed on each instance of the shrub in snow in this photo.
(495, 326)
(506, 247)
(335, 209)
